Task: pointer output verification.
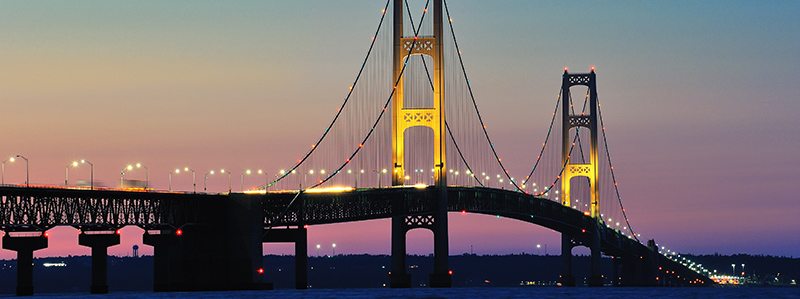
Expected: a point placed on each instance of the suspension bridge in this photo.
(410, 120)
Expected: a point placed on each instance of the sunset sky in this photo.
(700, 103)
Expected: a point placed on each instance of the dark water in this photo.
(521, 292)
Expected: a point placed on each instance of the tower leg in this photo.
(24, 246)
(301, 259)
(567, 279)
(615, 262)
(596, 277)
(99, 244)
(441, 277)
(398, 278)
(164, 255)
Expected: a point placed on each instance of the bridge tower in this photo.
(434, 118)
(571, 170)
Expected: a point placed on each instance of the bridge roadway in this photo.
(99, 213)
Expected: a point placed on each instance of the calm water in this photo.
(521, 292)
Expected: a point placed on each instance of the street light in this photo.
(334, 249)
(241, 183)
(379, 176)
(282, 174)
(75, 164)
(742, 270)
(130, 167)
(205, 180)
(194, 184)
(27, 173)
(229, 179)
(4, 169)
(266, 180)
(170, 178)
(733, 267)
(318, 249)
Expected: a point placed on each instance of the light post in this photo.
(266, 180)
(205, 181)
(130, 167)
(170, 178)
(742, 270)
(241, 183)
(318, 249)
(229, 179)
(733, 267)
(282, 173)
(379, 176)
(146, 175)
(538, 246)
(27, 173)
(334, 249)
(3, 165)
(311, 171)
(194, 184)
(75, 164)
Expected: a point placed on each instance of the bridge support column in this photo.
(441, 277)
(298, 236)
(398, 278)
(596, 277)
(164, 257)
(615, 264)
(567, 280)
(24, 246)
(301, 259)
(99, 242)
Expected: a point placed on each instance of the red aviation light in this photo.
(592, 68)
(450, 272)
(179, 232)
(260, 270)
(463, 212)
(119, 232)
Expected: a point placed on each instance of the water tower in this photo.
(135, 250)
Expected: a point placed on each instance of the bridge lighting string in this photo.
(430, 81)
(563, 166)
(611, 168)
(546, 139)
(480, 119)
(380, 116)
(472, 96)
(341, 108)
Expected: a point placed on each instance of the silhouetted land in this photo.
(371, 271)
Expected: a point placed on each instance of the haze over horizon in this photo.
(699, 102)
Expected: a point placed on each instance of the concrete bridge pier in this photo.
(615, 265)
(596, 277)
(164, 256)
(298, 236)
(399, 278)
(25, 246)
(436, 222)
(99, 241)
(567, 279)
(441, 276)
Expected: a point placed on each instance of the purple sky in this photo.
(699, 101)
